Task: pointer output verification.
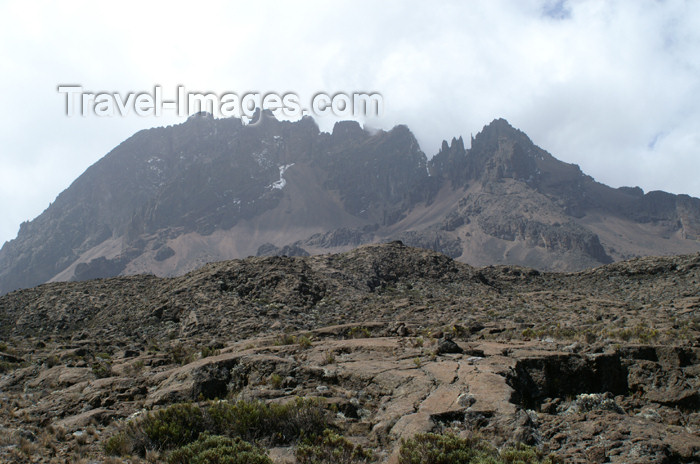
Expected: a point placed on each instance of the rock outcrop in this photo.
(595, 366)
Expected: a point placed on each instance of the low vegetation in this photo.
(430, 448)
(181, 424)
(331, 448)
(217, 449)
(358, 332)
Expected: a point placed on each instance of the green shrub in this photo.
(174, 426)
(102, 369)
(275, 380)
(523, 454)
(135, 368)
(118, 444)
(359, 332)
(331, 448)
(181, 424)
(207, 351)
(640, 332)
(330, 357)
(276, 423)
(181, 354)
(430, 448)
(6, 366)
(286, 339)
(219, 450)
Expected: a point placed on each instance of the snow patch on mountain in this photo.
(282, 182)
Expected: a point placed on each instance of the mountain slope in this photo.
(170, 199)
(391, 341)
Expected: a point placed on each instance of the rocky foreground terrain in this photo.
(597, 366)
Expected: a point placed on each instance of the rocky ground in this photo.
(597, 366)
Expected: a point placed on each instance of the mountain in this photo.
(170, 199)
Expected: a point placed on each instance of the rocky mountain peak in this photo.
(501, 151)
(450, 162)
(498, 129)
(498, 151)
(347, 130)
(169, 199)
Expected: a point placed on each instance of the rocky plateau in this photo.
(594, 366)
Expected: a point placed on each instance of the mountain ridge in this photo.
(169, 199)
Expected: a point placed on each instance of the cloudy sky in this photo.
(611, 86)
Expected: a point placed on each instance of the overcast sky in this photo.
(611, 86)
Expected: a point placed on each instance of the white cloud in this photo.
(611, 86)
